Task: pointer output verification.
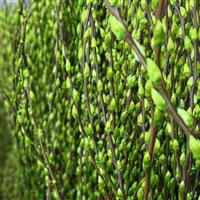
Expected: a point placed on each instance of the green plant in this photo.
(105, 98)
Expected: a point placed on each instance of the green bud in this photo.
(186, 70)
(119, 193)
(84, 15)
(140, 90)
(131, 107)
(157, 146)
(131, 81)
(89, 130)
(146, 161)
(167, 176)
(147, 137)
(68, 66)
(175, 144)
(75, 95)
(148, 87)
(170, 45)
(114, 3)
(182, 187)
(87, 33)
(139, 120)
(32, 95)
(158, 100)
(162, 159)
(143, 4)
(110, 73)
(183, 12)
(187, 42)
(113, 105)
(67, 83)
(153, 72)
(80, 53)
(146, 104)
(26, 73)
(158, 115)
(182, 158)
(159, 35)
(140, 193)
(86, 71)
(93, 43)
(196, 111)
(154, 178)
(108, 127)
(193, 34)
(141, 48)
(99, 86)
(186, 117)
(194, 146)
(74, 112)
(117, 28)
(190, 82)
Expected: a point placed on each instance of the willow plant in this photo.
(105, 98)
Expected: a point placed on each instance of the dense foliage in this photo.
(102, 98)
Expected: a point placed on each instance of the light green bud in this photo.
(99, 86)
(131, 81)
(117, 28)
(146, 161)
(175, 145)
(74, 112)
(86, 71)
(170, 45)
(194, 145)
(108, 127)
(187, 43)
(159, 35)
(157, 146)
(114, 3)
(68, 66)
(190, 82)
(193, 34)
(182, 187)
(158, 100)
(186, 117)
(113, 105)
(153, 72)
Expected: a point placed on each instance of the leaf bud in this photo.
(187, 43)
(74, 112)
(117, 28)
(146, 161)
(99, 86)
(108, 127)
(182, 187)
(131, 81)
(114, 3)
(194, 145)
(86, 71)
(159, 35)
(153, 72)
(113, 105)
(175, 145)
(186, 117)
(158, 100)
